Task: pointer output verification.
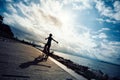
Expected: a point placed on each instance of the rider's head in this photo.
(50, 35)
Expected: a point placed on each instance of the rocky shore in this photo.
(85, 71)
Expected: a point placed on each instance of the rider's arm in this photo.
(55, 40)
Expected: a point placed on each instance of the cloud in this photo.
(117, 10)
(34, 22)
(73, 4)
(81, 5)
(104, 29)
(11, 8)
(107, 50)
(51, 19)
(101, 20)
(39, 19)
(9, 0)
(102, 35)
(108, 11)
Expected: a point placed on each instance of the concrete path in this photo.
(17, 62)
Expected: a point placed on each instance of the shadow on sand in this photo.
(34, 62)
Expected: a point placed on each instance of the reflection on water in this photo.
(110, 69)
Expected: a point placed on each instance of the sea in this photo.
(112, 70)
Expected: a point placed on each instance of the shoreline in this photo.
(84, 71)
(70, 71)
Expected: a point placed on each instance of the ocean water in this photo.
(108, 68)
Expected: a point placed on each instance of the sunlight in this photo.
(80, 30)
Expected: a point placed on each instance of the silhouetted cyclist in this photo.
(48, 44)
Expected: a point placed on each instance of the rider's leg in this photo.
(45, 48)
(48, 48)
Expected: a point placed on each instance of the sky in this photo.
(88, 28)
